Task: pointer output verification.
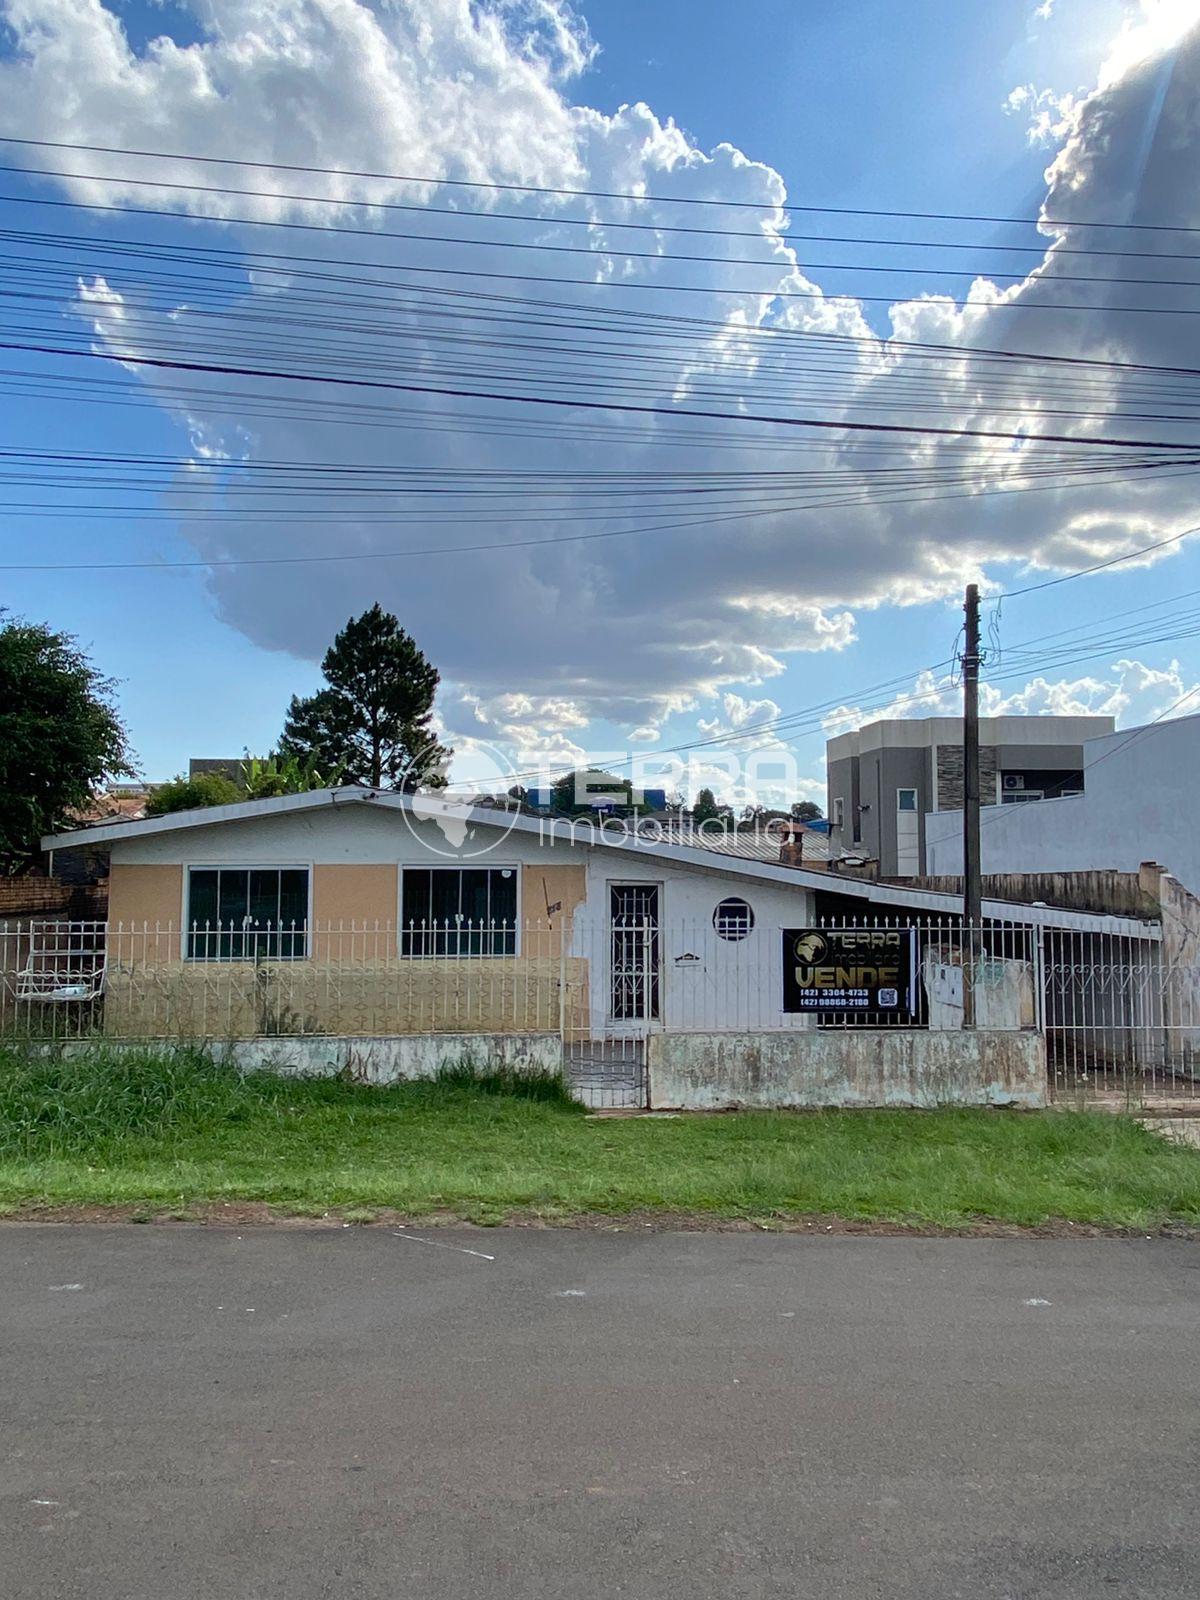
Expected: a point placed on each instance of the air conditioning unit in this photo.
(1012, 780)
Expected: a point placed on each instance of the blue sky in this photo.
(871, 104)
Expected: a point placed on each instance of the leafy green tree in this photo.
(60, 736)
(264, 777)
(189, 794)
(707, 808)
(372, 721)
(569, 795)
(807, 811)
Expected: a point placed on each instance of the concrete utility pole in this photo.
(972, 875)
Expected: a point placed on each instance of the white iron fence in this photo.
(1115, 1016)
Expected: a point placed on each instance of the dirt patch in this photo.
(239, 1214)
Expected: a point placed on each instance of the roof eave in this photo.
(206, 816)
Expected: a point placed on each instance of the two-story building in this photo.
(883, 778)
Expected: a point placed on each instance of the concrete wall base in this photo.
(395, 1059)
(777, 1071)
(402, 1058)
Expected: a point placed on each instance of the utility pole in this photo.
(972, 875)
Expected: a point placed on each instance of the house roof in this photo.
(588, 831)
(753, 846)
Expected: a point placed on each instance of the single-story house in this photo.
(358, 912)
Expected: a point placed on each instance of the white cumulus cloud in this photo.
(630, 629)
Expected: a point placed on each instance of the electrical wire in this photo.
(598, 194)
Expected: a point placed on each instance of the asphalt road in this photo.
(196, 1414)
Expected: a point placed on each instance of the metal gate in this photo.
(608, 1074)
(606, 1062)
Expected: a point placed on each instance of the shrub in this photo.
(189, 794)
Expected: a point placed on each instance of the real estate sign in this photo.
(850, 969)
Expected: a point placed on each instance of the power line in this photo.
(505, 545)
(1098, 566)
(127, 358)
(594, 194)
(766, 292)
(806, 264)
(655, 322)
(789, 237)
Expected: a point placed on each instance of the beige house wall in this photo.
(550, 895)
(354, 981)
(350, 898)
(138, 895)
(145, 913)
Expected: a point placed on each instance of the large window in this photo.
(244, 913)
(458, 911)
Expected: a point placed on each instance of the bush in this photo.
(189, 794)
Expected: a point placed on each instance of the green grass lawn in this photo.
(163, 1132)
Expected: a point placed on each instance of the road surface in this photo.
(288, 1413)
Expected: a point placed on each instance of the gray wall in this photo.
(871, 780)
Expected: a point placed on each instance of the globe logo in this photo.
(810, 948)
(464, 821)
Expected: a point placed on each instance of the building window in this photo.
(247, 913)
(839, 811)
(733, 919)
(458, 911)
(906, 799)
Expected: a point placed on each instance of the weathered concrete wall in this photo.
(401, 1059)
(1121, 894)
(846, 1067)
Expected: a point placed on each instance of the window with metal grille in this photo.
(458, 911)
(247, 913)
(733, 919)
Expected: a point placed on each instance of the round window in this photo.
(733, 919)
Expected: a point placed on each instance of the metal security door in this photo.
(634, 952)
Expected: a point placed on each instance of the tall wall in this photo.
(1138, 804)
(950, 775)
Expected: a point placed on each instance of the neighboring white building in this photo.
(883, 778)
(1138, 805)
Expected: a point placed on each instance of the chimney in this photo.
(791, 851)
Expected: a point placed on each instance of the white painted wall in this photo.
(706, 981)
(1138, 804)
(337, 835)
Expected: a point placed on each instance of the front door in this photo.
(634, 952)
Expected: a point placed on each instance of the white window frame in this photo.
(751, 926)
(907, 810)
(839, 811)
(242, 866)
(451, 866)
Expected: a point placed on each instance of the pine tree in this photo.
(372, 721)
